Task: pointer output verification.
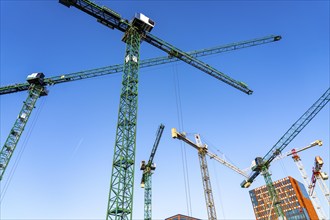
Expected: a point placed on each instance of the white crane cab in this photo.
(143, 22)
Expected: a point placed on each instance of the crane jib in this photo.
(143, 63)
(113, 21)
(293, 131)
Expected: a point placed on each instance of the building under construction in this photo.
(293, 198)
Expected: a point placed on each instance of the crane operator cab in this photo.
(37, 79)
(143, 22)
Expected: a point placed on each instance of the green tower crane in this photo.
(102, 71)
(202, 152)
(121, 187)
(261, 165)
(36, 89)
(120, 202)
(5, 155)
(148, 169)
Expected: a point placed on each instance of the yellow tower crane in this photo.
(202, 151)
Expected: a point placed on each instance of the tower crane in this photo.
(19, 124)
(147, 172)
(296, 158)
(319, 176)
(120, 202)
(36, 90)
(261, 165)
(102, 71)
(202, 152)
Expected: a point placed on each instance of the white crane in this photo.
(296, 158)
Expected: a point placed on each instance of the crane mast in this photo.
(202, 152)
(206, 177)
(120, 202)
(323, 187)
(261, 165)
(146, 177)
(36, 90)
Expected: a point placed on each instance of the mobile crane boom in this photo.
(146, 177)
(102, 71)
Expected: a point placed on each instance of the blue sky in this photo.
(64, 171)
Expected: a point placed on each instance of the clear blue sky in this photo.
(64, 172)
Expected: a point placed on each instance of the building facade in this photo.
(293, 197)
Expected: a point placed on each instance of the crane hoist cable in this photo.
(223, 155)
(183, 148)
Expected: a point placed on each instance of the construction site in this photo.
(172, 110)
